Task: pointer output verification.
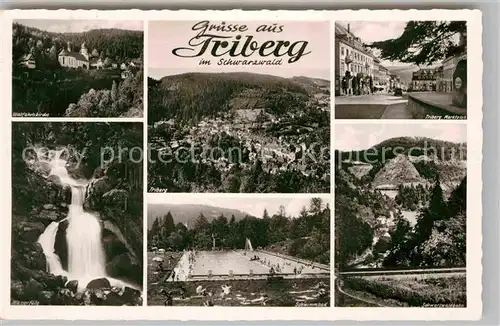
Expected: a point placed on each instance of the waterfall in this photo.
(83, 235)
(47, 240)
(86, 259)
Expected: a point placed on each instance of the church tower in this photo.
(84, 52)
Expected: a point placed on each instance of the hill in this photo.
(404, 160)
(117, 44)
(193, 96)
(187, 213)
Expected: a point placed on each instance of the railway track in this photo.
(344, 299)
(387, 272)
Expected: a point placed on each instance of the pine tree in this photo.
(437, 206)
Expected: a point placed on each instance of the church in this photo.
(70, 59)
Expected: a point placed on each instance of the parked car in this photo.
(398, 92)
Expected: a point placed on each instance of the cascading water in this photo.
(85, 253)
(86, 259)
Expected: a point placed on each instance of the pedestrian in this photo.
(344, 86)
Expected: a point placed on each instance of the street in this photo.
(376, 106)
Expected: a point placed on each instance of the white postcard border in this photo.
(474, 201)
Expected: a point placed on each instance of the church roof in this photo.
(76, 55)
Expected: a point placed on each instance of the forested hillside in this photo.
(374, 227)
(116, 44)
(192, 96)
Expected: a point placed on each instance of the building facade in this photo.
(426, 79)
(351, 57)
(70, 59)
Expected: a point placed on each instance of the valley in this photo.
(239, 132)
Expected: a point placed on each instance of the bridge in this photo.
(387, 188)
(402, 271)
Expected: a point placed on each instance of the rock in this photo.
(130, 295)
(45, 297)
(72, 286)
(87, 300)
(25, 274)
(30, 231)
(99, 283)
(44, 168)
(55, 281)
(61, 245)
(113, 299)
(116, 197)
(16, 289)
(65, 297)
(32, 289)
(49, 206)
(98, 297)
(34, 257)
(123, 266)
(117, 290)
(55, 179)
(79, 296)
(47, 216)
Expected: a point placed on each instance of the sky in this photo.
(372, 31)
(80, 25)
(253, 205)
(165, 36)
(364, 136)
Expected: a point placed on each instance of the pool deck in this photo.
(234, 265)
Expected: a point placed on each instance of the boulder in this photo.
(34, 257)
(16, 289)
(131, 296)
(123, 266)
(46, 297)
(55, 179)
(49, 206)
(25, 274)
(99, 283)
(44, 168)
(98, 297)
(30, 231)
(87, 297)
(72, 286)
(55, 281)
(65, 297)
(61, 245)
(32, 289)
(47, 216)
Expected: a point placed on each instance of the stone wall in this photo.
(421, 109)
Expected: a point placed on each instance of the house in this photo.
(97, 63)
(70, 59)
(28, 61)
